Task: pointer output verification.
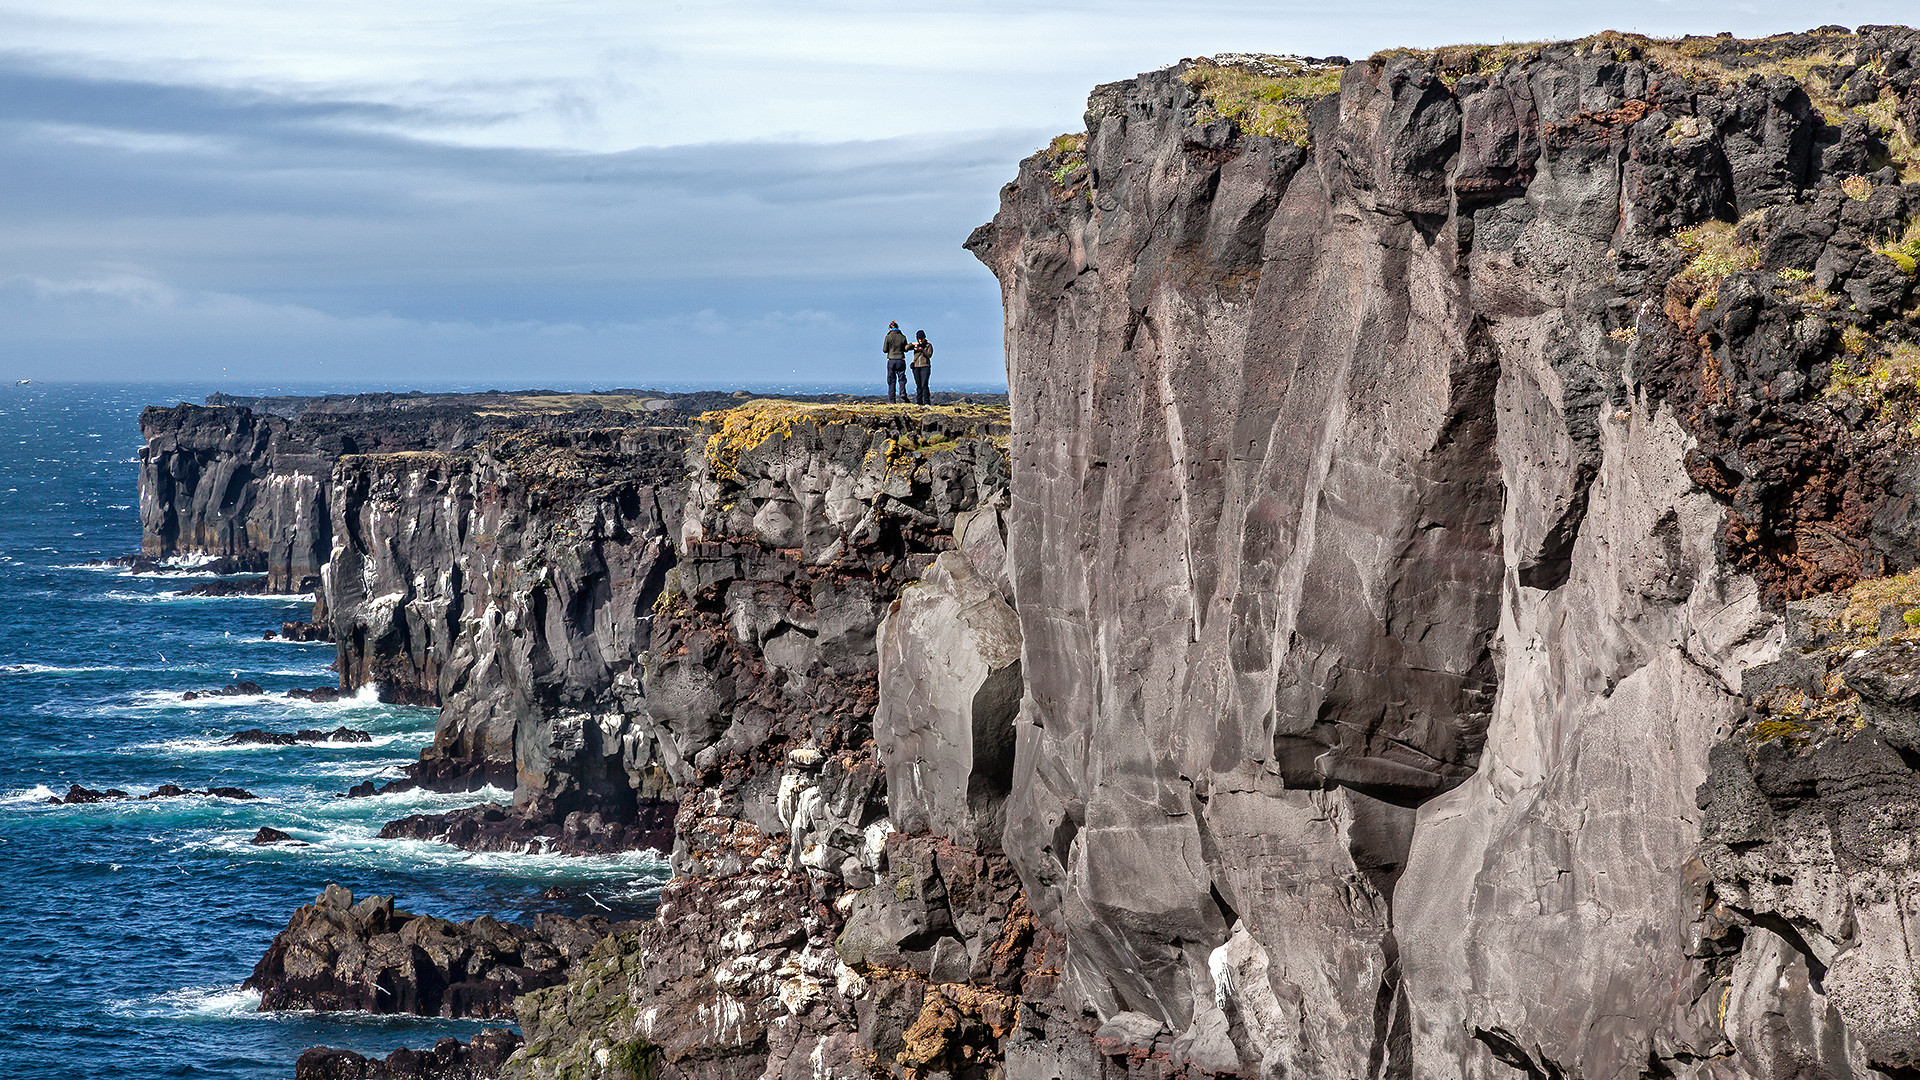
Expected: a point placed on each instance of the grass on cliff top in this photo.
(1865, 600)
(1270, 100)
(739, 429)
(1713, 61)
(552, 404)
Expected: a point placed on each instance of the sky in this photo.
(585, 193)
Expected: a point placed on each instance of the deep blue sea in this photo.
(127, 927)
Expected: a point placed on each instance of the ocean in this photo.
(129, 926)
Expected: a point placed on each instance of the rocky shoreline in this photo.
(1437, 605)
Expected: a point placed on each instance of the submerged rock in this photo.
(304, 735)
(319, 694)
(239, 587)
(268, 835)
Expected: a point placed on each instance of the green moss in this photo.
(1067, 154)
(1271, 101)
(637, 1059)
(1905, 252)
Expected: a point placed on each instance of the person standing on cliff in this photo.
(895, 348)
(922, 367)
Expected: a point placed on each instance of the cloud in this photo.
(248, 226)
(606, 75)
(579, 187)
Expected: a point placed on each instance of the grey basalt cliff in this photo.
(1393, 517)
(512, 585)
(234, 484)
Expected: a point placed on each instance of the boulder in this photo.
(339, 955)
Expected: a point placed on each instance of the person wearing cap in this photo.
(922, 367)
(895, 349)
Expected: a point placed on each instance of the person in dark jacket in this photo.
(895, 348)
(922, 367)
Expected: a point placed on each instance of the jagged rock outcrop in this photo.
(1810, 806)
(1410, 464)
(1394, 512)
(479, 1058)
(336, 954)
(797, 907)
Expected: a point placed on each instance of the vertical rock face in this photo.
(229, 482)
(512, 585)
(950, 687)
(1391, 522)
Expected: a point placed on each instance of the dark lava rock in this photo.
(79, 796)
(366, 789)
(237, 587)
(305, 631)
(274, 836)
(304, 735)
(450, 1059)
(493, 827)
(318, 693)
(244, 688)
(171, 791)
(338, 955)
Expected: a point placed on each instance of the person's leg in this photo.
(920, 385)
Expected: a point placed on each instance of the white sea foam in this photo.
(57, 669)
(38, 793)
(632, 873)
(204, 1001)
(288, 598)
(367, 697)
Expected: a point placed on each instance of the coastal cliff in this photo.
(1438, 607)
(1398, 499)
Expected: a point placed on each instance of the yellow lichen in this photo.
(737, 430)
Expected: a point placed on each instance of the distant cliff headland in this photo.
(1436, 602)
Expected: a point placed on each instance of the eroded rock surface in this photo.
(1394, 513)
(339, 955)
(479, 1058)
(802, 932)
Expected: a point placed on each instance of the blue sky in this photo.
(581, 192)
